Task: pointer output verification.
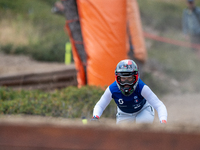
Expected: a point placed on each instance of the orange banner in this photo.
(103, 26)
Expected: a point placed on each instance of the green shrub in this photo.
(10, 49)
(7, 48)
(71, 102)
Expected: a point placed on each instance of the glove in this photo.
(95, 118)
(163, 121)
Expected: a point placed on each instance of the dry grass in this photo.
(17, 32)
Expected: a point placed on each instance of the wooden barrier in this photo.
(43, 81)
(86, 137)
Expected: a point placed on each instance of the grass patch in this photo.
(71, 102)
(30, 28)
(160, 15)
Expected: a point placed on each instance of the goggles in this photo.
(126, 80)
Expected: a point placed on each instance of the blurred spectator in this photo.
(191, 22)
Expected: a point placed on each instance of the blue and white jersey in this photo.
(131, 103)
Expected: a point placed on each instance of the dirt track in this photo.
(182, 109)
(181, 132)
(14, 65)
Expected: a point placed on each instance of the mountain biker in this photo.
(135, 100)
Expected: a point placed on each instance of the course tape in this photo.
(170, 41)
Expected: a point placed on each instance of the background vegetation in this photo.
(71, 102)
(28, 27)
(174, 68)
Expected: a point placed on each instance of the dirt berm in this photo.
(39, 133)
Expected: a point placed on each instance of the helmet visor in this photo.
(127, 80)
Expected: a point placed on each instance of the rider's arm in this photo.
(102, 103)
(153, 100)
